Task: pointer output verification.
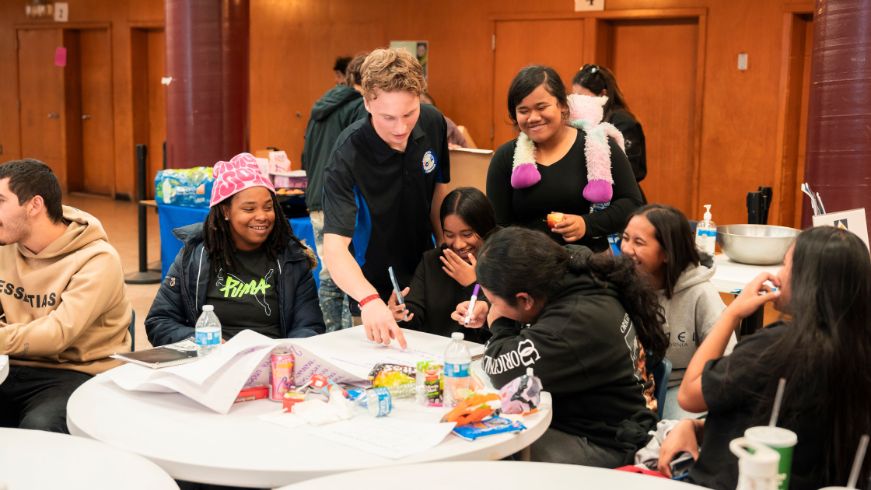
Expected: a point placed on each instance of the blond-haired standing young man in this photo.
(383, 189)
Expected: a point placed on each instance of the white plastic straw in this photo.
(857, 461)
(775, 412)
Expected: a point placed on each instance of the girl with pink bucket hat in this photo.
(244, 260)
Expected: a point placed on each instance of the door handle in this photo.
(53, 115)
(85, 117)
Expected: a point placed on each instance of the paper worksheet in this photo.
(387, 437)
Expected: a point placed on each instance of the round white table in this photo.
(196, 444)
(34, 459)
(491, 474)
(730, 277)
(4, 368)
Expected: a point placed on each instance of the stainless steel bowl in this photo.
(755, 244)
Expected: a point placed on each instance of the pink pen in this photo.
(472, 304)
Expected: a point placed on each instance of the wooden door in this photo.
(41, 96)
(95, 70)
(156, 105)
(788, 200)
(655, 63)
(148, 47)
(554, 42)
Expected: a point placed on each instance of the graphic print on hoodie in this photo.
(245, 298)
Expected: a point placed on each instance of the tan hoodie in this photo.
(65, 307)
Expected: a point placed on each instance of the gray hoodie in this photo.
(689, 316)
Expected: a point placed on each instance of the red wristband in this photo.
(371, 297)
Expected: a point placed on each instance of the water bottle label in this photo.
(456, 370)
(707, 233)
(208, 338)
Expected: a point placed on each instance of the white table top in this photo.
(491, 474)
(193, 443)
(4, 368)
(730, 277)
(34, 459)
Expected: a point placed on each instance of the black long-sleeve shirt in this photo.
(561, 190)
(434, 295)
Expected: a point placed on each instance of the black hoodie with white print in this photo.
(584, 349)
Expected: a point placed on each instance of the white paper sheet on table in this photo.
(350, 350)
(345, 356)
(387, 437)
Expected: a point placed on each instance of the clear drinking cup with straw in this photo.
(781, 440)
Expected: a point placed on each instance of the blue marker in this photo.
(472, 304)
(399, 299)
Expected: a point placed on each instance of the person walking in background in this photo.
(331, 114)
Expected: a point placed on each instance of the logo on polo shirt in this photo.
(429, 161)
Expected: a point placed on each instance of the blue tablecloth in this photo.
(172, 217)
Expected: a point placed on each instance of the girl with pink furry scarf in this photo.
(565, 163)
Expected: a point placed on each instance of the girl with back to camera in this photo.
(544, 170)
(822, 349)
(586, 323)
(244, 260)
(659, 240)
(446, 276)
(596, 80)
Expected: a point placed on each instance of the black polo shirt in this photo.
(381, 197)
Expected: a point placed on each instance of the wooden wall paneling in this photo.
(42, 119)
(139, 87)
(514, 51)
(739, 124)
(655, 62)
(97, 122)
(73, 164)
(148, 53)
(792, 118)
(156, 103)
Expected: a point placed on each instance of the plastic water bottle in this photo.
(458, 380)
(208, 330)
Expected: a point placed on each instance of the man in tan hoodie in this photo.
(63, 304)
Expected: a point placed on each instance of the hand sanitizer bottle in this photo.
(706, 233)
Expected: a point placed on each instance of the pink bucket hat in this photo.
(232, 177)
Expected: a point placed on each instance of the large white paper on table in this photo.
(350, 351)
(387, 437)
(346, 356)
(217, 393)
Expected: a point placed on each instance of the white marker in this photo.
(472, 304)
(399, 299)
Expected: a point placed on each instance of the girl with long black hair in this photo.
(244, 260)
(445, 276)
(586, 323)
(822, 349)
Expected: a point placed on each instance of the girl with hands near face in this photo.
(445, 276)
(820, 347)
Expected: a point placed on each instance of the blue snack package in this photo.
(489, 427)
(188, 187)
